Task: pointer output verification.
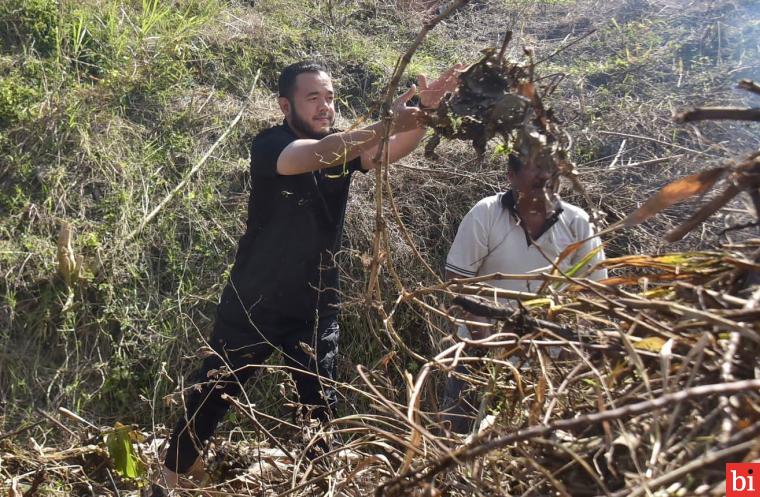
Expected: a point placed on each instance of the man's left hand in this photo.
(431, 94)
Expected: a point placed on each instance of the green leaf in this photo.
(572, 271)
(122, 453)
(586, 259)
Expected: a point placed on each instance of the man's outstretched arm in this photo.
(305, 155)
(403, 143)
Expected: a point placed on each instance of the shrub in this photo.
(29, 23)
(16, 99)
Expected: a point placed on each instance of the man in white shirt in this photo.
(521, 231)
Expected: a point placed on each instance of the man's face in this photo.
(530, 180)
(310, 111)
(534, 185)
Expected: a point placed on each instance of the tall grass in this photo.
(104, 105)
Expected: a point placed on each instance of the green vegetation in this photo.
(105, 105)
(30, 24)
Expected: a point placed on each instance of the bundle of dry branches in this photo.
(647, 382)
(656, 386)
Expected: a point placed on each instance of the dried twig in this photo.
(239, 407)
(479, 447)
(56, 422)
(566, 46)
(716, 113)
(699, 463)
(19, 430)
(749, 85)
(385, 111)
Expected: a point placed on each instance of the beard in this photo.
(302, 126)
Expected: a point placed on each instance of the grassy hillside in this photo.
(107, 105)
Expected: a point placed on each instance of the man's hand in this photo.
(408, 118)
(407, 128)
(431, 94)
(405, 118)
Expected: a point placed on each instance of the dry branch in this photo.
(513, 321)
(749, 85)
(710, 458)
(381, 158)
(479, 447)
(716, 113)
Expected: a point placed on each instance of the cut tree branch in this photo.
(382, 150)
(749, 85)
(717, 113)
(479, 447)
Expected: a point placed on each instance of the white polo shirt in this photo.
(490, 240)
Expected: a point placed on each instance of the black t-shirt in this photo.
(285, 260)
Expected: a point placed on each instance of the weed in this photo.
(29, 24)
(17, 100)
(105, 105)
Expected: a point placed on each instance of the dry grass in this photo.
(129, 334)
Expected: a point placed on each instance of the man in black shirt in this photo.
(282, 290)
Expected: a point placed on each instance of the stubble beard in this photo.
(302, 126)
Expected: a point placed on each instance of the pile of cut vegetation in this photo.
(645, 383)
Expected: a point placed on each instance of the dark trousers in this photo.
(459, 400)
(243, 341)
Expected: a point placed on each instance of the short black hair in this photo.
(515, 163)
(287, 81)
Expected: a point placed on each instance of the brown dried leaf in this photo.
(67, 262)
(703, 213)
(569, 250)
(172, 399)
(387, 359)
(308, 349)
(527, 90)
(538, 404)
(672, 193)
(204, 352)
